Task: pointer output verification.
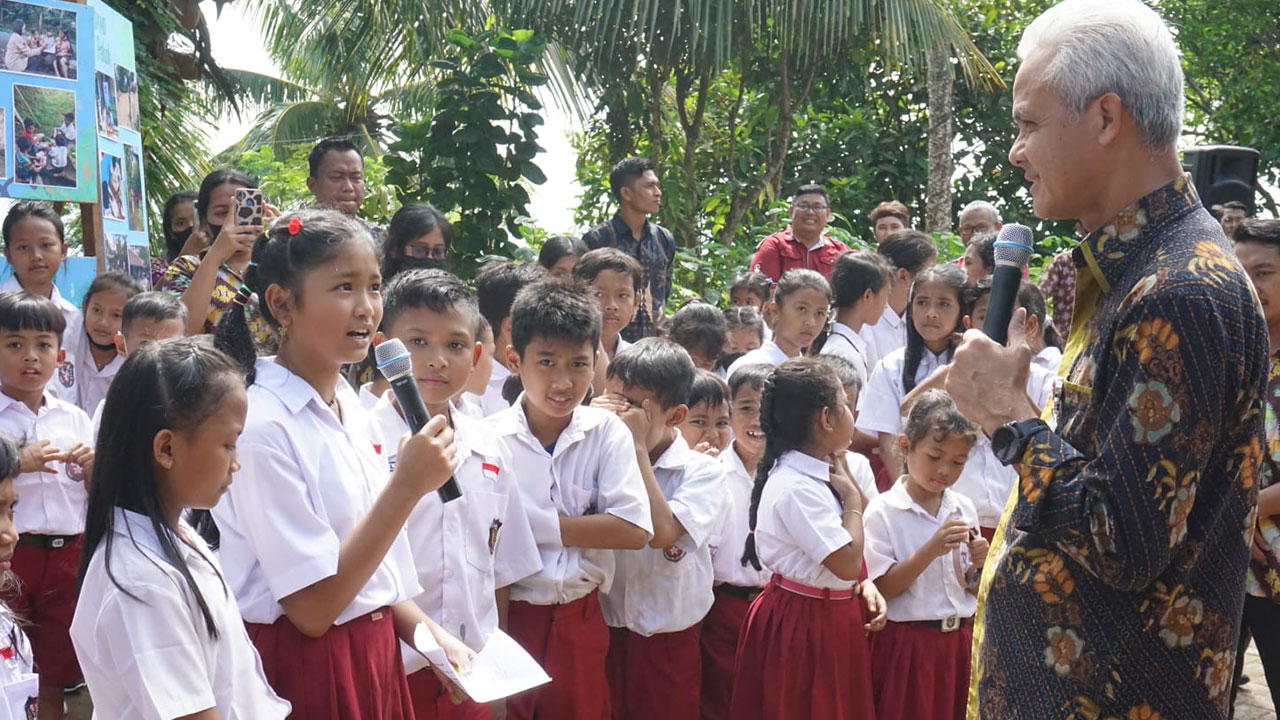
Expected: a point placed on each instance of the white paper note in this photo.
(501, 669)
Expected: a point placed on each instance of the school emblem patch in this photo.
(494, 527)
(673, 553)
(75, 472)
(67, 374)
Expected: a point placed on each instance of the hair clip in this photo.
(295, 225)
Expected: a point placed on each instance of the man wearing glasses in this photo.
(803, 244)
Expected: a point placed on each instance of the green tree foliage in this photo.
(284, 182)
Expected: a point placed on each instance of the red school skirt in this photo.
(922, 673)
(654, 677)
(352, 672)
(720, 632)
(571, 642)
(432, 702)
(803, 657)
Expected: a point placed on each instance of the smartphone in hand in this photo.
(248, 209)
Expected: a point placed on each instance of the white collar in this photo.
(807, 465)
(898, 497)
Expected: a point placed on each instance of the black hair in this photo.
(28, 123)
(855, 273)
(24, 311)
(283, 258)
(597, 261)
(171, 245)
(985, 246)
(24, 142)
(60, 141)
(909, 250)
(19, 26)
(1234, 205)
(434, 290)
(659, 366)
(708, 387)
(738, 318)
(811, 189)
(1030, 297)
(752, 376)
(627, 172)
(412, 221)
(215, 180)
(154, 305)
(173, 384)
(793, 281)
(10, 457)
(793, 394)
(109, 281)
(756, 283)
(497, 285)
(315, 158)
(950, 276)
(1262, 232)
(701, 327)
(934, 412)
(557, 247)
(32, 209)
(554, 310)
(848, 374)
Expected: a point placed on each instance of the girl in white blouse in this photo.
(19, 685)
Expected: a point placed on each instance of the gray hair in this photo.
(1119, 46)
(985, 206)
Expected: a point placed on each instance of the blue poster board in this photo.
(72, 279)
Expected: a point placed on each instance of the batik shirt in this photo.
(1118, 577)
(226, 288)
(656, 253)
(1058, 284)
(1264, 575)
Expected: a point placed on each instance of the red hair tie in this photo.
(295, 225)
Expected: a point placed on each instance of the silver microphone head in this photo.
(1014, 246)
(392, 359)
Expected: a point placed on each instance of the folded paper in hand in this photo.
(501, 669)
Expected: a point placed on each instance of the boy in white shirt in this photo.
(147, 317)
(497, 285)
(56, 464)
(615, 279)
(468, 551)
(584, 495)
(661, 592)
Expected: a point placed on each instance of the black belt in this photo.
(742, 593)
(48, 542)
(946, 625)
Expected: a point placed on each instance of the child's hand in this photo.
(428, 458)
(82, 455)
(459, 656)
(638, 420)
(39, 456)
(875, 604)
(612, 402)
(978, 548)
(948, 537)
(707, 448)
(233, 239)
(842, 481)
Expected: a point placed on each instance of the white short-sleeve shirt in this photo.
(843, 342)
(63, 382)
(591, 469)
(730, 536)
(19, 684)
(798, 522)
(887, 335)
(879, 403)
(767, 354)
(491, 402)
(150, 655)
(306, 480)
(1049, 359)
(91, 383)
(863, 475)
(896, 526)
(50, 503)
(669, 589)
(465, 549)
(367, 397)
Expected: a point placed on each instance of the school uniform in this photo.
(803, 652)
(658, 597)
(92, 382)
(463, 550)
(736, 585)
(307, 478)
(492, 402)
(368, 398)
(63, 382)
(888, 334)
(19, 684)
(49, 519)
(863, 475)
(767, 354)
(1049, 358)
(469, 404)
(843, 342)
(555, 613)
(922, 656)
(144, 644)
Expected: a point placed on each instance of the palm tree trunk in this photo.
(941, 161)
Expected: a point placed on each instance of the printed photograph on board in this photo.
(38, 40)
(44, 136)
(127, 98)
(133, 175)
(104, 88)
(111, 170)
(4, 146)
(117, 252)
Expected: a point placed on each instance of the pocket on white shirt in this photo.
(485, 513)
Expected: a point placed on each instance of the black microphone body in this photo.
(395, 365)
(1013, 252)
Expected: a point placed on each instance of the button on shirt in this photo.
(50, 503)
(592, 469)
(63, 382)
(669, 589)
(306, 480)
(767, 354)
(463, 550)
(656, 252)
(887, 335)
(145, 649)
(896, 527)
(798, 522)
(730, 536)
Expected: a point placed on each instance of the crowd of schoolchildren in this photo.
(772, 510)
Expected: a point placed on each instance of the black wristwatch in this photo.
(1009, 442)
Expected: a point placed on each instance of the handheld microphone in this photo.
(1013, 253)
(396, 366)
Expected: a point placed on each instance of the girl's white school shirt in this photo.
(895, 527)
(888, 334)
(767, 354)
(63, 382)
(798, 522)
(51, 503)
(92, 384)
(669, 589)
(591, 469)
(492, 402)
(19, 684)
(1049, 358)
(150, 655)
(367, 397)
(843, 342)
(306, 480)
(465, 549)
(730, 537)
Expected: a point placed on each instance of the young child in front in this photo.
(925, 554)
(799, 308)
(700, 329)
(156, 630)
(736, 583)
(95, 344)
(146, 317)
(661, 593)
(313, 543)
(706, 427)
(580, 482)
(497, 285)
(19, 685)
(57, 461)
(468, 551)
(804, 651)
(614, 277)
(35, 245)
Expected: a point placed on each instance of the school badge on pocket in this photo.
(67, 374)
(494, 527)
(75, 472)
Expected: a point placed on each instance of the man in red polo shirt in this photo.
(803, 244)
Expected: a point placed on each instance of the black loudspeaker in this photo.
(1223, 173)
